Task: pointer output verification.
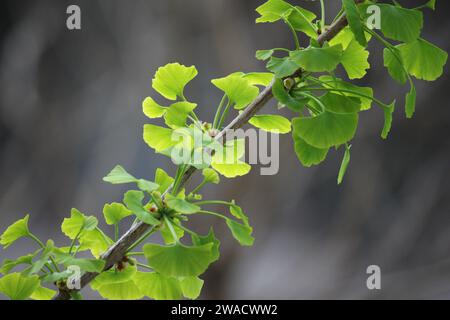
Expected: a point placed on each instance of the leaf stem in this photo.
(141, 239)
(212, 213)
(322, 21)
(144, 266)
(294, 34)
(75, 239)
(218, 111)
(172, 230)
(199, 187)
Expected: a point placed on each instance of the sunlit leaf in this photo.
(158, 287)
(43, 293)
(115, 212)
(191, 287)
(307, 154)
(17, 230)
(238, 90)
(181, 205)
(171, 79)
(152, 109)
(17, 286)
(133, 200)
(354, 21)
(282, 67)
(242, 233)
(177, 114)
(318, 59)
(199, 240)
(271, 123)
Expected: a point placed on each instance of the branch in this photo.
(116, 252)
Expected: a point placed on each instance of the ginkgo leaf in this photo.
(158, 287)
(271, 123)
(191, 287)
(159, 138)
(238, 90)
(237, 212)
(115, 276)
(307, 154)
(95, 241)
(210, 176)
(181, 205)
(17, 230)
(89, 265)
(115, 212)
(43, 258)
(117, 285)
(339, 103)
(17, 286)
(237, 169)
(199, 240)
(344, 164)
(152, 109)
(77, 223)
(167, 234)
(423, 59)
(388, 111)
(163, 180)
(178, 260)
(272, 10)
(326, 129)
(282, 67)
(399, 23)
(119, 175)
(264, 54)
(9, 264)
(301, 20)
(171, 79)
(318, 59)
(43, 293)
(410, 106)
(177, 114)
(394, 64)
(354, 21)
(355, 60)
(242, 233)
(259, 78)
(133, 200)
(336, 83)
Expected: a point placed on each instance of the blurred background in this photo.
(70, 110)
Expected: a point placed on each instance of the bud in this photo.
(288, 83)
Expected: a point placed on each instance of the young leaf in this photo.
(238, 90)
(116, 276)
(237, 212)
(318, 59)
(127, 290)
(199, 240)
(43, 293)
(152, 109)
(271, 123)
(95, 241)
(354, 21)
(388, 111)
(115, 212)
(242, 233)
(9, 264)
(282, 67)
(17, 286)
(210, 176)
(133, 201)
(237, 169)
(355, 60)
(423, 59)
(17, 230)
(167, 235)
(179, 260)
(339, 103)
(163, 180)
(191, 287)
(77, 223)
(43, 259)
(284, 97)
(344, 164)
(394, 64)
(181, 205)
(177, 114)
(327, 129)
(119, 175)
(410, 103)
(264, 54)
(89, 265)
(158, 138)
(158, 287)
(307, 154)
(259, 78)
(171, 79)
(272, 10)
(301, 20)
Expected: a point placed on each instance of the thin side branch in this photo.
(117, 251)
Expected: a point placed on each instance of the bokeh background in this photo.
(70, 110)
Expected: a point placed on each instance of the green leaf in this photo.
(272, 10)
(133, 200)
(327, 129)
(354, 21)
(171, 79)
(115, 212)
(43, 293)
(307, 154)
(181, 205)
(158, 138)
(210, 176)
(226, 159)
(410, 103)
(237, 212)
(242, 233)
(199, 240)
(146, 185)
(9, 264)
(318, 59)
(238, 90)
(388, 111)
(339, 103)
(237, 169)
(271, 123)
(95, 241)
(423, 59)
(394, 64)
(177, 114)
(344, 164)
(301, 20)
(43, 259)
(115, 276)
(282, 67)
(179, 260)
(163, 180)
(264, 54)
(259, 78)
(152, 109)
(167, 235)
(283, 96)
(17, 286)
(431, 4)
(336, 83)
(77, 223)
(399, 23)
(17, 230)
(117, 285)
(355, 60)
(119, 175)
(158, 287)
(191, 287)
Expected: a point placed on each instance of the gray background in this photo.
(70, 109)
